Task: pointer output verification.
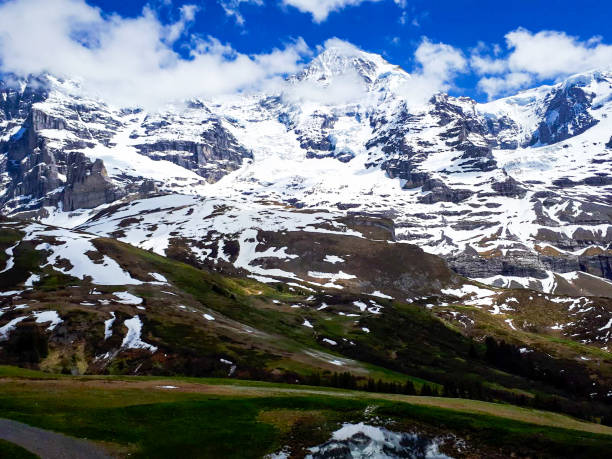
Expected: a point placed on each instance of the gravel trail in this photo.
(47, 444)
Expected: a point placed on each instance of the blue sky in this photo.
(549, 39)
(386, 27)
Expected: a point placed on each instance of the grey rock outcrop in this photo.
(526, 264)
(509, 188)
(87, 184)
(439, 191)
(213, 154)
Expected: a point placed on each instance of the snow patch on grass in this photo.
(132, 337)
(48, 316)
(74, 247)
(10, 262)
(381, 295)
(127, 298)
(108, 326)
(333, 259)
(159, 278)
(9, 327)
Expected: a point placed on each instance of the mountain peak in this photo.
(340, 58)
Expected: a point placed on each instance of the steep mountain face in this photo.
(565, 114)
(57, 148)
(194, 139)
(516, 192)
(273, 243)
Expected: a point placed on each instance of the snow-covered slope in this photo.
(513, 192)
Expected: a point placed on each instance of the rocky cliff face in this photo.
(52, 141)
(87, 184)
(193, 139)
(565, 114)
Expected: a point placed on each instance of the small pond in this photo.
(362, 441)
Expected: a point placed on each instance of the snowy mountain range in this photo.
(514, 193)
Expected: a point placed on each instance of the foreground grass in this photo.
(10, 450)
(238, 387)
(217, 418)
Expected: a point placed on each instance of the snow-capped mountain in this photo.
(515, 192)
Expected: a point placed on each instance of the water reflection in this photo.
(362, 441)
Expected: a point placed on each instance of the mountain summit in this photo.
(340, 59)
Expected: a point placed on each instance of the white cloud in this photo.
(320, 9)
(342, 47)
(535, 57)
(486, 65)
(550, 54)
(509, 82)
(129, 61)
(438, 65)
(343, 89)
(439, 61)
(232, 8)
(176, 30)
(403, 19)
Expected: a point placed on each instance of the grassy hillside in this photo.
(204, 323)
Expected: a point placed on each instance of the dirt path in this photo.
(47, 444)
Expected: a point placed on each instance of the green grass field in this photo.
(218, 418)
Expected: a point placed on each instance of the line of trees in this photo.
(457, 388)
(565, 375)
(451, 388)
(347, 380)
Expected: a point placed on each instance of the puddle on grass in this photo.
(362, 441)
